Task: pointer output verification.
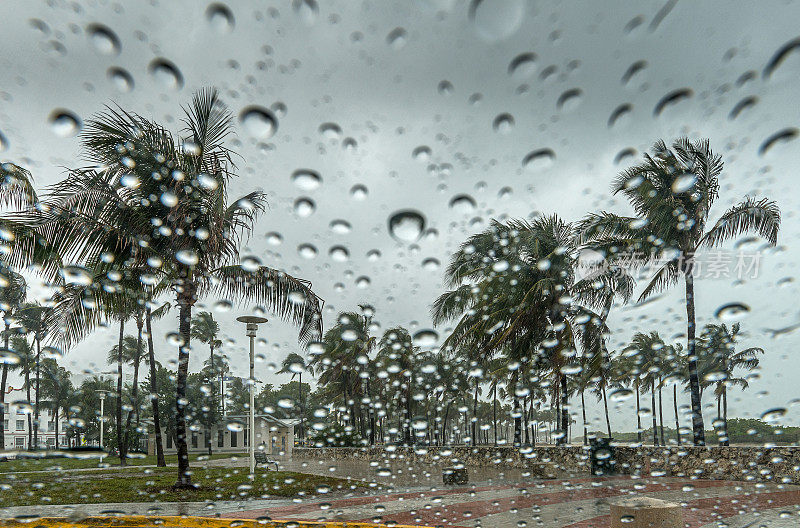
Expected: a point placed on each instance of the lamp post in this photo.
(102, 415)
(252, 322)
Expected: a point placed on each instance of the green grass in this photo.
(150, 485)
(49, 464)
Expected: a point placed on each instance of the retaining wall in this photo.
(778, 464)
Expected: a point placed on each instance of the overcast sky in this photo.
(356, 88)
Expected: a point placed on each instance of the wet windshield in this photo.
(467, 263)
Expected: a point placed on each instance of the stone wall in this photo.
(778, 464)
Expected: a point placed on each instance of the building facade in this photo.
(273, 436)
(15, 428)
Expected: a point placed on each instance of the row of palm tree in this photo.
(149, 217)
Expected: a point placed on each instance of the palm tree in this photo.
(173, 192)
(718, 359)
(32, 316)
(57, 389)
(672, 193)
(130, 353)
(205, 329)
(653, 358)
(151, 314)
(337, 364)
(295, 364)
(515, 287)
(396, 354)
(27, 358)
(12, 295)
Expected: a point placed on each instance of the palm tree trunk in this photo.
(409, 438)
(211, 382)
(653, 412)
(494, 413)
(135, 390)
(694, 380)
(55, 421)
(303, 413)
(160, 462)
(661, 415)
(517, 423)
(36, 408)
(675, 403)
(585, 423)
(28, 400)
(605, 405)
(727, 440)
(475, 415)
(445, 432)
(120, 440)
(3, 383)
(564, 411)
(185, 302)
(638, 416)
(526, 419)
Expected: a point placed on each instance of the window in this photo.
(19, 441)
(5, 425)
(220, 438)
(169, 441)
(207, 438)
(51, 426)
(234, 439)
(51, 442)
(246, 437)
(20, 425)
(194, 440)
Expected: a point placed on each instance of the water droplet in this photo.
(732, 311)
(363, 282)
(523, 65)
(503, 123)
(76, 275)
(777, 59)
(166, 73)
(619, 113)
(421, 153)
(498, 19)
(671, 99)
(306, 10)
(349, 144)
(463, 203)
(64, 123)
(539, 159)
(339, 254)
(782, 136)
(406, 225)
(426, 338)
(359, 192)
(187, 257)
(570, 99)
(431, 264)
(307, 251)
(684, 183)
(220, 18)
(274, 239)
(235, 427)
(445, 88)
(624, 154)
(397, 38)
(741, 106)
(121, 79)
(340, 227)
(304, 207)
(774, 415)
(632, 70)
(373, 255)
(505, 192)
(330, 130)
(259, 122)
(306, 179)
(619, 395)
(103, 39)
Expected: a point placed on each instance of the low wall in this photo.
(777, 464)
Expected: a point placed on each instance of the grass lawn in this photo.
(155, 484)
(49, 464)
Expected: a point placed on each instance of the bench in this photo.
(264, 460)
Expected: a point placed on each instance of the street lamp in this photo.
(252, 322)
(102, 394)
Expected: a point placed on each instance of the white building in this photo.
(15, 428)
(276, 436)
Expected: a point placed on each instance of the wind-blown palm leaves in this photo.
(718, 360)
(515, 287)
(158, 203)
(396, 357)
(672, 193)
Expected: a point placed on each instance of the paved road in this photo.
(415, 495)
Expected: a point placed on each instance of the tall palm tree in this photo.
(515, 287)
(205, 329)
(12, 295)
(719, 360)
(672, 193)
(150, 315)
(295, 364)
(654, 357)
(57, 390)
(27, 360)
(397, 355)
(32, 317)
(338, 364)
(130, 353)
(171, 191)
